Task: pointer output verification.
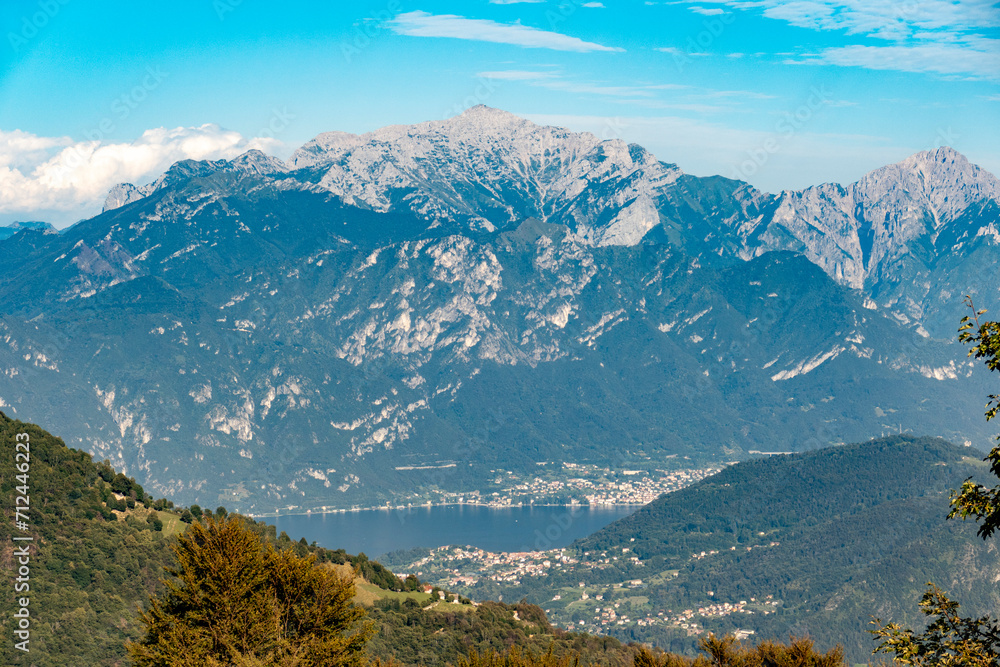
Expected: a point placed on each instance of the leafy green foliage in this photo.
(96, 559)
(515, 658)
(90, 567)
(799, 652)
(718, 652)
(94, 564)
(235, 600)
(425, 637)
(975, 500)
(949, 641)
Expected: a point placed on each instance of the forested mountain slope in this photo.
(815, 543)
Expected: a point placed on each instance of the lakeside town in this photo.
(556, 484)
(578, 605)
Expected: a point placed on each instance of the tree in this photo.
(154, 521)
(728, 652)
(234, 600)
(121, 484)
(975, 500)
(951, 639)
(514, 658)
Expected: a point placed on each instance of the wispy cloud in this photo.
(707, 11)
(69, 179)
(593, 5)
(423, 24)
(942, 37)
(514, 2)
(975, 59)
(674, 51)
(747, 94)
(692, 107)
(554, 81)
(645, 95)
(517, 75)
(889, 19)
(839, 103)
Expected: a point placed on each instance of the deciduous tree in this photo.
(951, 639)
(234, 600)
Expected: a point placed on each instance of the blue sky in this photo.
(781, 94)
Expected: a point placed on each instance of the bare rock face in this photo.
(493, 169)
(123, 194)
(856, 233)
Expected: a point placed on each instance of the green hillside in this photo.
(98, 548)
(812, 543)
(90, 566)
(93, 565)
(819, 541)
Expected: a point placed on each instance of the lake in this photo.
(377, 532)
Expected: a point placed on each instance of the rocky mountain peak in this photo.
(122, 194)
(941, 182)
(255, 161)
(490, 169)
(484, 119)
(7, 231)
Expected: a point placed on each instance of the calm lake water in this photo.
(378, 532)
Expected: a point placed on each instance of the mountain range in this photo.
(13, 228)
(422, 305)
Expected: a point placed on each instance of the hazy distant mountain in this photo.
(482, 293)
(13, 228)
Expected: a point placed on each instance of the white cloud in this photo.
(747, 94)
(517, 75)
(890, 19)
(674, 51)
(514, 2)
(593, 5)
(942, 37)
(977, 59)
(707, 11)
(423, 24)
(63, 180)
(554, 81)
(647, 95)
(20, 149)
